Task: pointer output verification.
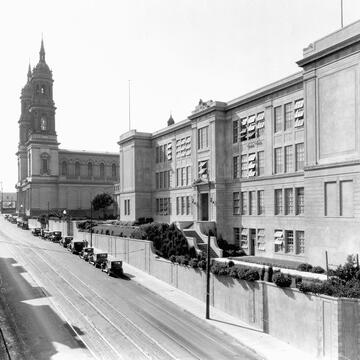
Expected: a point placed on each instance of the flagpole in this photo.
(129, 107)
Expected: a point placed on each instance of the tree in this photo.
(102, 201)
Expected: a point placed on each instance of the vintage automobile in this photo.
(113, 267)
(46, 234)
(86, 252)
(36, 231)
(23, 224)
(75, 246)
(55, 236)
(65, 240)
(97, 258)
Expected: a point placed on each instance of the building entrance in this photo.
(204, 207)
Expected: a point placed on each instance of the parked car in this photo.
(86, 253)
(113, 267)
(36, 231)
(55, 236)
(97, 258)
(25, 225)
(65, 240)
(75, 246)
(46, 234)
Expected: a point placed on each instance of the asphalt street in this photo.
(55, 305)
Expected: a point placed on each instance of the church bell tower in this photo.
(38, 166)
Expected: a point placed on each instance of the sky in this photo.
(174, 52)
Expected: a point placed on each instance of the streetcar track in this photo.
(78, 310)
(99, 311)
(138, 309)
(130, 321)
(94, 307)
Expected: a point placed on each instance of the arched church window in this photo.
(77, 169)
(43, 123)
(90, 169)
(64, 168)
(102, 170)
(113, 171)
(43, 89)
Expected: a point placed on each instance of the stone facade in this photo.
(50, 178)
(277, 169)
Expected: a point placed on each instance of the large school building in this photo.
(277, 169)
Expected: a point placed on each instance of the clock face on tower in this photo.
(43, 123)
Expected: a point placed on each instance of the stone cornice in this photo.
(267, 90)
(332, 165)
(317, 55)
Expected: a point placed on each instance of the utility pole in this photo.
(91, 224)
(208, 262)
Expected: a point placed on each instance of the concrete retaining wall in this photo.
(325, 327)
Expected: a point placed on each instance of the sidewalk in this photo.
(262, 344)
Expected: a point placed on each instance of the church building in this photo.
(50, 178)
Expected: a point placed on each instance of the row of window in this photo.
(252, 202)
(163, 179)
(183, 147)
(65, 169)
(286, 203)
(251, 165)
(163, 206)
(289, 116)
(248, 203)
(285, 158)
(284, 240)
(163, 153)
(183, 176)
(251, 127)
(286, 117)
(183, 205)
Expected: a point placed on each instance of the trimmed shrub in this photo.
(318, 270)
(202, 264)
(215, 268)
(242, 273)
(252, 275)
(304, 267)
(230, 263)
(184, 261)
(193, 263)
(282, 280)
(234, 272)
(224, 270)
